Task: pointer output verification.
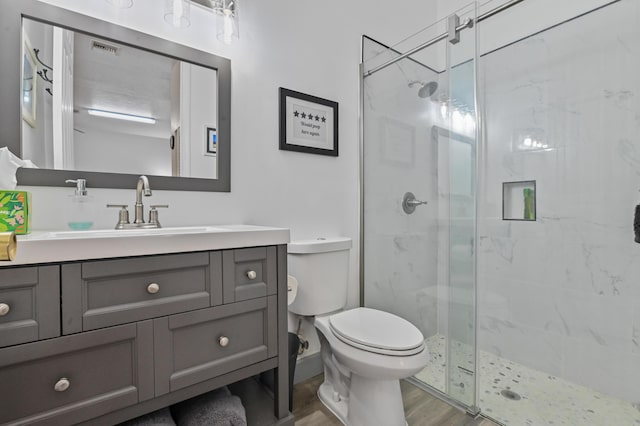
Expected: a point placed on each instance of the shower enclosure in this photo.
(500, 172)
(419, 157)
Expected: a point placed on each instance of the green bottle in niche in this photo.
(529, 210)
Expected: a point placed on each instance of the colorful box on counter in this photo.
(15, 211)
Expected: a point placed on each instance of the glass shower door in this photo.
(418, 212)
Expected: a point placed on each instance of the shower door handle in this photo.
(409, 203)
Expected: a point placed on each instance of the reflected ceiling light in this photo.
(532, 139)
(444, 110)
(469, 123)
(121, 4)
(121, 116)
(227, 20)
(177, 13)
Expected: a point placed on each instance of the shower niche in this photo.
(519, 200)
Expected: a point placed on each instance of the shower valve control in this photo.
(409, 203)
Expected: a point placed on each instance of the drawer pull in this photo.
(153, 288)
(223, 341)
(252, 275)
(4, 309)
(62, 385)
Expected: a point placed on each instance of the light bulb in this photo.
(443, 110)
(469, 123)
(121, 4)
(177, 13)
(456, 120)
(228, 27)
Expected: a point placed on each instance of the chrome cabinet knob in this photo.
(4, 309)
(252, 275)
(62, 385)
(153, 288)
(223, 341)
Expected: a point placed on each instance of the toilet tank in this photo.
(321, 267)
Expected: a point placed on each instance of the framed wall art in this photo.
(211, 147)
(308, 123)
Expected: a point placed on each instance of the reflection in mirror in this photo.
(108, 107)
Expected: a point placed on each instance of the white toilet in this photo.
(365, 352)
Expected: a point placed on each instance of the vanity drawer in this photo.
(111, 292)
(29, 299)
(102, 371)
(249, 273)
(200, 345)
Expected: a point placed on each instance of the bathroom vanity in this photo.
(98, 327)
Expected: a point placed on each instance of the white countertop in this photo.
(53, 246)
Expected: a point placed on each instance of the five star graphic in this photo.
(311, 116)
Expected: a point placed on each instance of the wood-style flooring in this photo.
(421, 409)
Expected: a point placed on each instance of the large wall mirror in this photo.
(87, 98)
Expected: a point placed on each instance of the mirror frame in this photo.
(10, 106)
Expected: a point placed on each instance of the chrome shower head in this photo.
(428, 89)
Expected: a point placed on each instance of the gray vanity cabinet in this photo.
(249, 273)
(116, 338)
(200, 345)
(75, 378)
(102, 293)
(27, 313)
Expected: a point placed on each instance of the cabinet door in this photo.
(249, 273)
(200, 345)
(75, 378)
(29, 304)
(111, 292)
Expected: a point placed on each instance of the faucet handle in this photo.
(153, 214)
(123, 214)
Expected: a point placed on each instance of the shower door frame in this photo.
(361, 77)
(454, 29)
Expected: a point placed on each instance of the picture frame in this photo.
(211, 141)
(29, 82)
(317, 135)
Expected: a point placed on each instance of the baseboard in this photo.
(308, 367)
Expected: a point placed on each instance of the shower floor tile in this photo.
(543, 399)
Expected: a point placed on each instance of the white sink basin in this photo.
(63, 246)
(110, 233)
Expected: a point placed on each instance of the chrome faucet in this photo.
(142, 188)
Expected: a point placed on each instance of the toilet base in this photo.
(370, 402)
(339, 408)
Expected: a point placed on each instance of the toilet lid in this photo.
(377, 331)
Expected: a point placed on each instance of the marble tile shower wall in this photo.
(400, 249)
(562, 294)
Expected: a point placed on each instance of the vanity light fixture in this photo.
(121, 116)
(227, 20)
(177, 13)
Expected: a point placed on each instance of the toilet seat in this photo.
(377, 331)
